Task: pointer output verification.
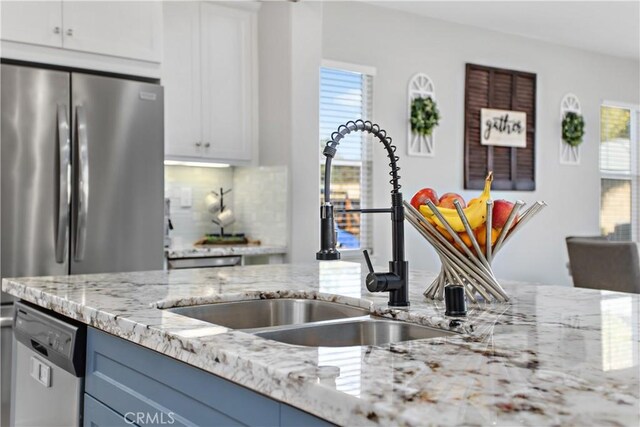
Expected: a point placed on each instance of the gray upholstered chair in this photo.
(601, 264)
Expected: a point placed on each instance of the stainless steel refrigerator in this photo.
(82, 181)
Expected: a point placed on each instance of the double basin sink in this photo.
(311, 323)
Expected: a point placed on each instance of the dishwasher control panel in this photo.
(54, 337)
(59, 341)
(47, 334)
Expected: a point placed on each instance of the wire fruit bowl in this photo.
(469, 267)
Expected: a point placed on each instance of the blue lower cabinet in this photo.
(98, 415)
(292, 417)
(151, 389)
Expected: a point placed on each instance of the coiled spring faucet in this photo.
(396, 280)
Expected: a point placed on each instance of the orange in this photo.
(445, 233)
(481, 235)
(465, 238)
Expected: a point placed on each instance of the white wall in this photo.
(274, 71)
(289, 45)
(400, 44)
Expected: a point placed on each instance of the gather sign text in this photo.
(503, 128)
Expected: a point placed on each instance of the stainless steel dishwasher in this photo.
(49, 361)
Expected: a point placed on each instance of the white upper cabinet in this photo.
(227, 50)
(126, 29)
(35, 22)
(209, 75)
(181, 79)
(130, 29)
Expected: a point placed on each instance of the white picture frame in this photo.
(420, 86)
(569, 155)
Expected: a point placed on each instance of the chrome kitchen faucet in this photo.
(396, 281)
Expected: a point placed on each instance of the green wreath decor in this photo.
(424, 115)
(572, 128)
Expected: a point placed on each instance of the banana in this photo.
(476, 210)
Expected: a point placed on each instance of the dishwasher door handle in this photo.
(40, 371)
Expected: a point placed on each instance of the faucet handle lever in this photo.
(368, 260)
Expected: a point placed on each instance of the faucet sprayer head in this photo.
(328, 251)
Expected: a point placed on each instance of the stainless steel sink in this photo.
(266, 313)
(369, 331)
(310, 323)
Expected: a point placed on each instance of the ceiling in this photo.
(609, 27)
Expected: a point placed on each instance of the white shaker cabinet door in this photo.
(34, 22)
(128, 29)
(181, 79)
(228, 81)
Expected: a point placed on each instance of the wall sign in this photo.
(503, 128)
(508, 91)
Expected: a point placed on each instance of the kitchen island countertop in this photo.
(552, 356)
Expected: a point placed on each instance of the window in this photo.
(619, 172)
(346, 95)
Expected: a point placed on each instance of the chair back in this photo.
(601, 264)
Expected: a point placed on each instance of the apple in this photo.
(421, 197)
(446, 200)
(501, 211)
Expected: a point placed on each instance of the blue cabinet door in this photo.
(155, 389)
(133, 379)
(98, 415)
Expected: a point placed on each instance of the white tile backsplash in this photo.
(193, 222)
(258, 200)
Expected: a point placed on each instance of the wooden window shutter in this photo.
(487, 87)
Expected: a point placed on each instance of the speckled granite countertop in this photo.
(553, 356)
(192, 251)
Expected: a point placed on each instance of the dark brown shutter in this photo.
(487, 87)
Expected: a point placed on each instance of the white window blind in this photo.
(344, 96)
(619, 172)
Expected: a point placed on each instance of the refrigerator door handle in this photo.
(82, 183)
(64, 182)
(6, 322)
